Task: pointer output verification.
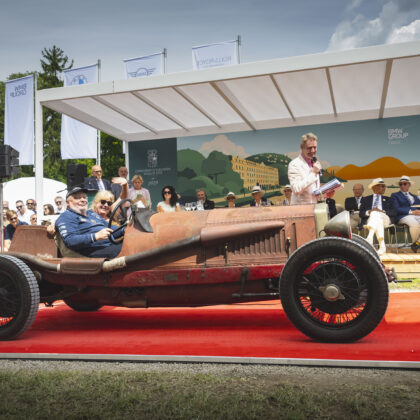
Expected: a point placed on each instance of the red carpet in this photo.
(243, 330)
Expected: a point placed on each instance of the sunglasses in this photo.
(12, 219)
(19, 207)
(29, 203)
(230, 198)
(58, 202)
(404, 183)
(103, 202)
(167, 192)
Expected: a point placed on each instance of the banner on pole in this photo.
(148, 65)
(215, 55)
(78, 140)
(19, 118)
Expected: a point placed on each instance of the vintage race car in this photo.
(332, 285)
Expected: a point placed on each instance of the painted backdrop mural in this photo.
(355, 151)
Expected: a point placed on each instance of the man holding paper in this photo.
(304, 172)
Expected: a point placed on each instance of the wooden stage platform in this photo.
(405, 262)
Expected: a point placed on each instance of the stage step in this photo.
(406, 265)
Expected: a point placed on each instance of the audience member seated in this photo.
(170, 200)
(34, 219)
(96, 182)
(231, 199)
(48, 210)
(258, 199)
(352, 204)
(403, 202)
(377, 212)
(138, 194)
(116, 188)
(83, 230)
(10, 229)
(5, 208)
(31, 204)
(287, 191)
(59, 205)
(332, 209)
(203, 203)
(24, 215)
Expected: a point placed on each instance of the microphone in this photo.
(314, 160)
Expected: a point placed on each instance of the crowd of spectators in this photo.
(371, 213)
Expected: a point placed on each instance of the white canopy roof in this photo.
(366, 83)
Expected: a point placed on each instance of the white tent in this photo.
(24, 188)
(365, 83)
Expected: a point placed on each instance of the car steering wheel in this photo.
(124, 223)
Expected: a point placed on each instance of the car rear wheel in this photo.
(19, 297)
(334, 290)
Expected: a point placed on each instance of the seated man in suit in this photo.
(376, 212)
(403, 201)
(352, 204)
(203, 203)
(96, 182)
(258, 199)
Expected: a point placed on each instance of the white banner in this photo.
(215, 55)
(78, 140)
(144, 66)
(19, 118)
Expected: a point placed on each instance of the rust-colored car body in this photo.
(241, 244)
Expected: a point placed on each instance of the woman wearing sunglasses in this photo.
(10, 229)
(170, 200)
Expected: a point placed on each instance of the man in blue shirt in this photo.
(83, 230)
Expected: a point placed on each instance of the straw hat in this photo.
(231, 194)
(256, 189)
(376, 181)
(287, 187)
(406, 178)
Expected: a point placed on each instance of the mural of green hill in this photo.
(275, 160)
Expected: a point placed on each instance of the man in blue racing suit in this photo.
(83, 230)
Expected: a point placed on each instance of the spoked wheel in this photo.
(362, 241)
(19, 297)
(333, 289)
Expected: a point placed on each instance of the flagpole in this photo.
(98, 132)
(39, 151)
(127, 158)
(239, 49)
(164, 55)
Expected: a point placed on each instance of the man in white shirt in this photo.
(304, 172)
(24, 215)
(377, 212)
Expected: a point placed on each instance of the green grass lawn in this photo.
(179, 395)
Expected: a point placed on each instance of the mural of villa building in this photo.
(253, 173)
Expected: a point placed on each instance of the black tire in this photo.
(19, 297)
(354, 275)
(83, 306)
(362, 241)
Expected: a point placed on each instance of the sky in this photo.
(88, 30)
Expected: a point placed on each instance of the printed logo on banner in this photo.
(20, 90)
(142, 71)
(152, 158)
(79, 79)
(396, 135)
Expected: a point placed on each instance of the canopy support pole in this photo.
(39, 155)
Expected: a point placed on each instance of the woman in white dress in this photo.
(170, 200)
(138, 194)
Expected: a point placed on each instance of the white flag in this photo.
(144, 66)
(215, 55)
(78, 140)
(19, 118)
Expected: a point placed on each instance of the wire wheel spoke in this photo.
(337, 276)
